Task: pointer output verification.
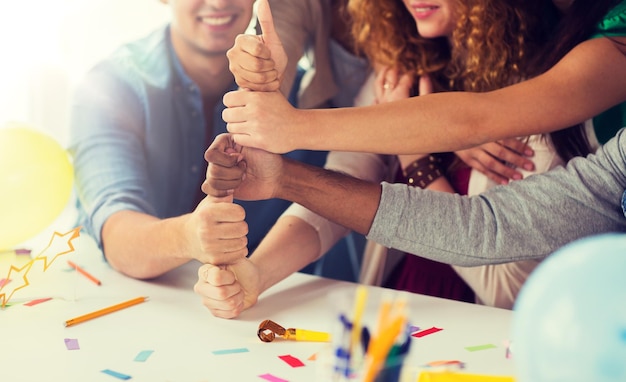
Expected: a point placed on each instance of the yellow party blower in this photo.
(448, 376)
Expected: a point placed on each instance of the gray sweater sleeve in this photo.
(526, 219)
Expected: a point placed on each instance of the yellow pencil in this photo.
(102, 312)
(84, 273)
(379, 347)
(359, 306)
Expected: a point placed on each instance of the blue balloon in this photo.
(569, 320)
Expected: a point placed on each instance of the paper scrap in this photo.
(116, 374)
(230, 351)
(72, 344)
(508, 353)
(312, 357)
(456, 363)
(37, 301)
(291, 360)
(143, 355)
(413, 329)
(4, 282)
(426, 332)
(271, 378)
(480, 347)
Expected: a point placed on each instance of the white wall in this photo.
(46, 46)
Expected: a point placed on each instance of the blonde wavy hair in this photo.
(490, 47)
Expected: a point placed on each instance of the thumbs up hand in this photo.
(259, 62)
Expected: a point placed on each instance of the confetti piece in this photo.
(22, 251)
(143, 355)
(313, 357)
(413, 329)
(446, 363)
(480, 347)
(291, 360)
(271, 378)
(4, 282)
(507, 349)
(230, 351)
(426, 332)
(37, 301)
(116, 374)
(72, 344)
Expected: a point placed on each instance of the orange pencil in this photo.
(84, 272)
(102, 312)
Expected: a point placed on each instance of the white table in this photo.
(183, 334)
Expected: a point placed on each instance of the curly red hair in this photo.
(489, 48)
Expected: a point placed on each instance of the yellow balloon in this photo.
(36, 178)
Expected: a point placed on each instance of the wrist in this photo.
(423, 171)
(265, 275)
(312, 133)
(295, 179)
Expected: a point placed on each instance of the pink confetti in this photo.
(4, 282)
(271, 378)
(72, 344)
(291, 360)
(38, 301)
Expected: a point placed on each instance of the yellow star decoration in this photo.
(21, 271)
(66, 247)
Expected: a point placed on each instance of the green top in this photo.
(608, 123)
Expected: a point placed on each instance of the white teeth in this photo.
(424, 9)
(217, 20)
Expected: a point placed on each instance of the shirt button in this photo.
(192, 88)
(194, 113)
(194, 169)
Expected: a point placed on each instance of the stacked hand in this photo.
(225, 243)
(258, 63)
(232, 283)
(219, 231)
(228, 290)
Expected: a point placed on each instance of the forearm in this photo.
(142, 246)
(528, 219)
(395, 127)
(577, 88)
(340, 198)
(289, 246)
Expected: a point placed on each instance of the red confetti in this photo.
(426, 332)
(291, 360)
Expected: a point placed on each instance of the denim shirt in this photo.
(137, 136)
